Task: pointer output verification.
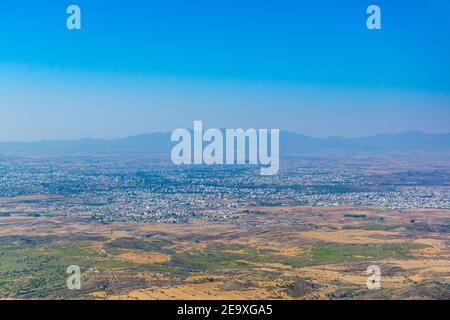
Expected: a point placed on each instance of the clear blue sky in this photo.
(141, 66)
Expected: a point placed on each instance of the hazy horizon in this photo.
(168, 132)
(153, 67)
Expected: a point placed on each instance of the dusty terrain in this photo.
(268, 253)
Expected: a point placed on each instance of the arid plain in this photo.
(284, 252)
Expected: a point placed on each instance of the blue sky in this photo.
(142, 66)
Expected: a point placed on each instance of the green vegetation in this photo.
(374, 227)
(36, 266)
(33, 214)
(137, 244)
(36, 270)
(115, 264)
(218, 257)
(270, 204)
(336, 252)
(355, 216)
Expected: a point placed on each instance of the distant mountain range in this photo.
(290, 143)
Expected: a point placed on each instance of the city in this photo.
(139, 188)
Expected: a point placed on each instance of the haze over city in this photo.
(148, 67)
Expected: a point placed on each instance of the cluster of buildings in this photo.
(106, 190)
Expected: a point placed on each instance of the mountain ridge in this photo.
(290, 143)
